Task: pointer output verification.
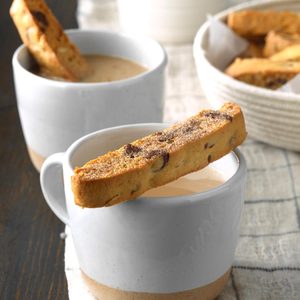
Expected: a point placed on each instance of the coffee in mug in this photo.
(200, 181)
(104, 68)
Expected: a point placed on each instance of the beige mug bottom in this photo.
(207, 292)
(36, 159)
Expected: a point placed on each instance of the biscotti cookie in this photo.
(263, 72)
(159, 158)
(254, 24)
(276, 42)
(254, 50)
(47, 42)
(291, 53)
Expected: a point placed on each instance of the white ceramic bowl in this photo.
(271, 116)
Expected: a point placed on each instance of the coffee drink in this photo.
(192, 183)
(105, 69)
(110, 68)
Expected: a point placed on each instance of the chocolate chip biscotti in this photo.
(253, 50)
(276, 42)
(263, 72)
(254, 24)
(291, 53)
(159, 158)
(47, 42)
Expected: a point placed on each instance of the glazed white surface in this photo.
(151, 245)
(54, 114)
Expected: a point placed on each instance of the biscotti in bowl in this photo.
(271, 116)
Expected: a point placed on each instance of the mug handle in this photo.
(52, 184)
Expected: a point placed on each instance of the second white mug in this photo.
(55, 113)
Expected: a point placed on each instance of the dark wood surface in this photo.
(31, 251)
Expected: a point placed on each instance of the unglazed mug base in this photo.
(36, 159)
(207, 292)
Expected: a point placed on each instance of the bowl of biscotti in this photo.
(260, 77)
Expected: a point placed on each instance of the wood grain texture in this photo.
(31, 251)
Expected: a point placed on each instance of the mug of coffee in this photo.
(128, 89)
(174, 242)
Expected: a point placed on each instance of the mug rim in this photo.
(83, 85)
(170, 201)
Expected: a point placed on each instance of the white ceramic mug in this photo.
(55, 113)
(168, 21)
(169, 246)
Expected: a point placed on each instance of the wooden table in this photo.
(31, 251)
